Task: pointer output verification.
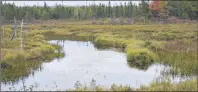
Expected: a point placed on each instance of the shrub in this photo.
(142, 55)
(104, 41)
(17, 55)
(138, 56)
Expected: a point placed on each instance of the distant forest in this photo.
(163, 9)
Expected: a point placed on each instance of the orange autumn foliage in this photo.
(157, 5)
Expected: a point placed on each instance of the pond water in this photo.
(83, 62)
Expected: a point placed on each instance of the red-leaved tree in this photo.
(159, 8)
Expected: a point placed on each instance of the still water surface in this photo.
(83, 62)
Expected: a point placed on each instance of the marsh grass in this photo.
(167, 85)
(182, 63)
(143, 44)
(141, 57)
(35, 47)
(163, 85)
(20, 63)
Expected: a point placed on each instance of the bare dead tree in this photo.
(14, 29)
(3, 31)
(21, 38)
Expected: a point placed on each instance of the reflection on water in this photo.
(142, 66)
(20, 70)
(83, 62)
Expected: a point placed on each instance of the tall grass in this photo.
(164, 85)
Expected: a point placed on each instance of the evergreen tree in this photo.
(182, 10)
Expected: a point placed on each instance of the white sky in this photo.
(67, 3)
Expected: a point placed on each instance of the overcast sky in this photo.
(68, 3)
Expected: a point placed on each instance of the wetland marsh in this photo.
(62, 57)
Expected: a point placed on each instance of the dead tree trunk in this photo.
(21, 38)
(3, 32)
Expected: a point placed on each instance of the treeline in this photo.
(180, 9)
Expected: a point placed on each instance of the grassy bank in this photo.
(17, 63)
(34, 47)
